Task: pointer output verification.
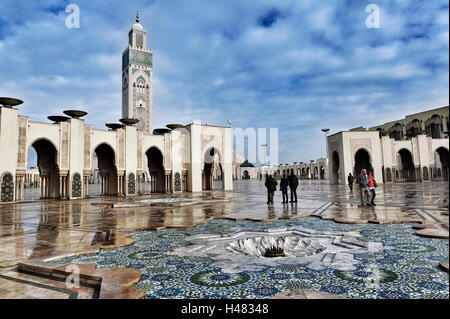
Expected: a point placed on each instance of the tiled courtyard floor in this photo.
(407, 268)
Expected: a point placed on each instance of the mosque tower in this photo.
(137, 74)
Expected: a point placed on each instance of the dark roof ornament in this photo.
(137, 17)
(246, 164)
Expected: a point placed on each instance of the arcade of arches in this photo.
(314, 169)
(421, 158)
(68, 152)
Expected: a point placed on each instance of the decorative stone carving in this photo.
(131, 184)
(211, 141)
(177, 182)
(167, 151)
(21, 155)
(416, 152)
(76, 185)
(141, 58)
(334, 147)
(426, 176)
(65, 146)
(7, 188)
(357, 144)
(388, 175)
(430, 151)
(139, 150)
(393, 152)
(87, 147)
(121, 152)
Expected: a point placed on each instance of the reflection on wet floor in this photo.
(42, 229)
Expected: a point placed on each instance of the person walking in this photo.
(284, 188)
(271, 185)
(293, 183)
(363, 181)
(372, 185)
(350, 179)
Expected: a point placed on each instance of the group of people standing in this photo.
(366, 181)
(367, 185)
(290, 181)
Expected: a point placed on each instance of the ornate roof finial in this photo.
(137, 17)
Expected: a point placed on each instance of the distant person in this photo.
(293, 183)
(271, 185)
(350, 179)
(372, 185)
(363, 181)
(284, 188)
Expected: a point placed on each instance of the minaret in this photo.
(137, 74)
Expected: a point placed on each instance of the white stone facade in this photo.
(69, 152)
(413, 149)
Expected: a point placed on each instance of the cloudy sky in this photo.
(295, 65)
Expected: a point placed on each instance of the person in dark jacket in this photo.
(363, 181)
(293, 183)
(284, 188)
(350, 180)
(271, 185)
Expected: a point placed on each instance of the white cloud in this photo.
(317, 64)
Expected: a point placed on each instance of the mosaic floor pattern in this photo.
(408, 269)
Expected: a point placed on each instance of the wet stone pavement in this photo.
(407, 265)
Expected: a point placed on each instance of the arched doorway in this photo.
(157, 171)
(362, 161)
(106, 162)
(211, 168)
(322, 172)
(246, 175)
(48, 170)
(441, 163)
(405, 166)
(308, 173)
(336, 168)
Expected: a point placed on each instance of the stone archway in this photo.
(246, 175)
(441, 160)
(322, 172)
(107, 169)
(336, 167)
(405, 166)
(362, 161)
(48, 169)
(212, 164)
(156, 169)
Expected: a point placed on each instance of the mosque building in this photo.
(413, 149)
(174, 159)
